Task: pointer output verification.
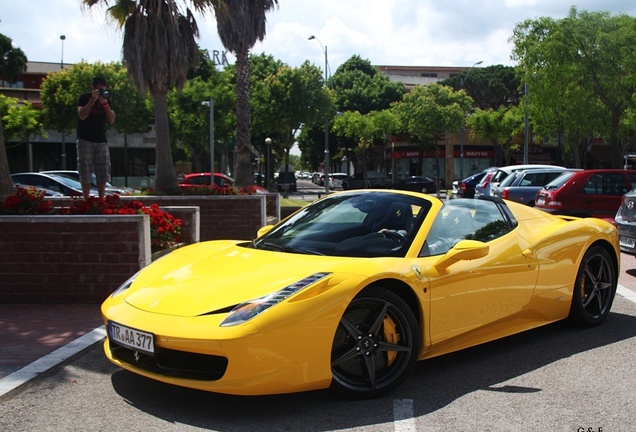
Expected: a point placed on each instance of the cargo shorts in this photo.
(93, 157)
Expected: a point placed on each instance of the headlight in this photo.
(123, 287)
(248, 310)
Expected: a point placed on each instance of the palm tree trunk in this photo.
(6, 184)
(165, 174)
(243, 172)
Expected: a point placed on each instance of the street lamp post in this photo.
(525, 138)
(461, 131)
(62, 38)
(327, 158)
(210, 104)
(268, 146)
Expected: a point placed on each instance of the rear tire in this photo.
(594, 288)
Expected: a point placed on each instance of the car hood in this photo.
(217, 275)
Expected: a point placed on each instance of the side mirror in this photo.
(264, 230)
(465, 250)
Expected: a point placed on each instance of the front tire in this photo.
(376, 344)
(594, 288)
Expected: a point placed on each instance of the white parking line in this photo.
(45, 363)
(627, 293)
(403, 416)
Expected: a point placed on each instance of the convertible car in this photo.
(349, 292)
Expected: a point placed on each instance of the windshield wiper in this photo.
(285, 248)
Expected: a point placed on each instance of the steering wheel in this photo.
(394, 235)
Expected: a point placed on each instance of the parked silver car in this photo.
(490, 182)
(522, 186)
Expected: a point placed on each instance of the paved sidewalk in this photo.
(30, 332)
(36, 337)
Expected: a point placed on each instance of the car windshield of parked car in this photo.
(67, 181)
(560, 180)
(481, 220)
(509, 180)
(353, 224)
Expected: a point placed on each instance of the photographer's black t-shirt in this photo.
(94, 127)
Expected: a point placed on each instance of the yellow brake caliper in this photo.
(391, 336)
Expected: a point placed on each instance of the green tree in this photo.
(359, 86)
(12, 63)
(297, 98)
(365, 130)
(159, 48)
(20, 120)
(262, 66)
(490, 87)
(240, 24)
(428, 112)
(190, 120)
(586, 53)
(61, 90)
(499, 127)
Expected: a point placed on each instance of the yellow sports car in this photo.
(351, 290)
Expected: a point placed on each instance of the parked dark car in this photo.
(588, 193)
(375, 180)
(416, 184)
(286, 179)
(522, 186)
(52, 182)
(626, 222)
(466, 188)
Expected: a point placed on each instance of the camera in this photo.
(104, 93)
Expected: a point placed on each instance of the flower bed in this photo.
(165, 229)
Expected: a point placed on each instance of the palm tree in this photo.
(159, 47)
(12, 63)
(240, 24)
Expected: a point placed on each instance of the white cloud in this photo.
(388, 32)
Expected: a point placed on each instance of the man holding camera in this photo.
(95, 113)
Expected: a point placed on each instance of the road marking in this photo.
(45, 363)
(627, 293)
(403, 415)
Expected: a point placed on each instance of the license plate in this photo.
(540, 200)
(627, 242)
(132, 338)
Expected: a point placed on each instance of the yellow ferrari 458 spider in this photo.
(351, 290)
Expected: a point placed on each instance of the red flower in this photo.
(165, 229)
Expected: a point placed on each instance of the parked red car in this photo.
(196, 180)
(588, 193)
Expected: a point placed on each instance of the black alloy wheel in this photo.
(594, 288)
(376, 344)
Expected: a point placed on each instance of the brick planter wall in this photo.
(221, 216)
(69, 259)
(82, 259)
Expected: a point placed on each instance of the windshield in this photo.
(357, 224)
(72, 183)
(508, 180)
(559, 181)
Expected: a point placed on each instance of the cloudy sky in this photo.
(386, 32)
